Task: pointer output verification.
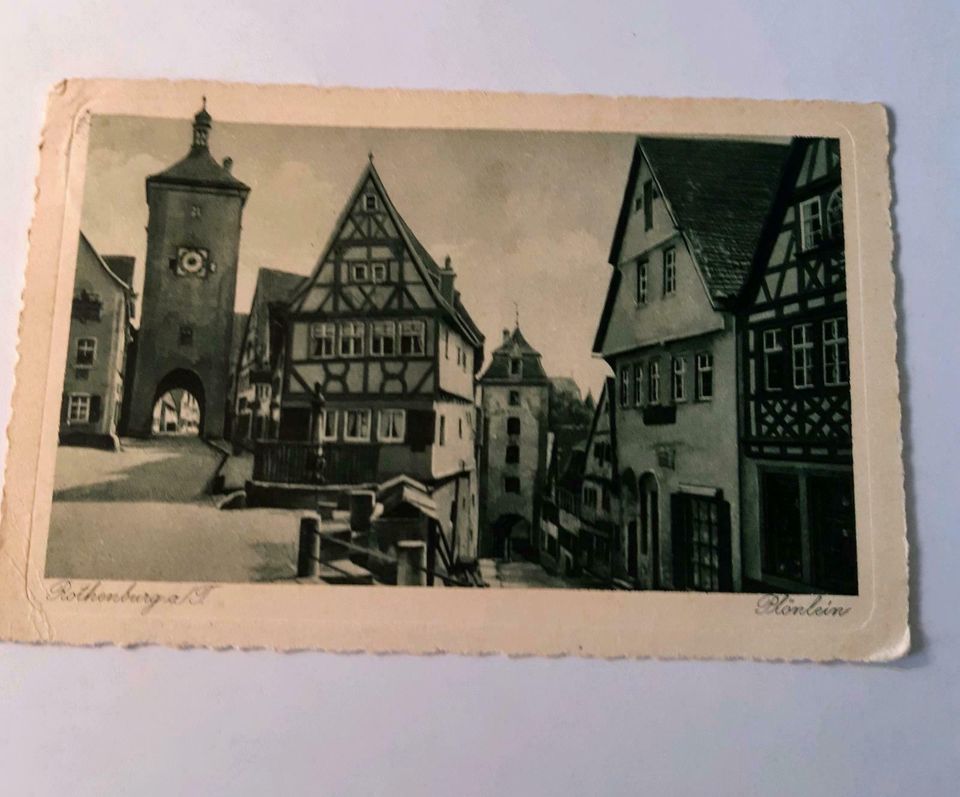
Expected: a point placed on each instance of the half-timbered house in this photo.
(682, 250)
(797, 467)
(381, 360)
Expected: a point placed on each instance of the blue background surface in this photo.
(147, 721)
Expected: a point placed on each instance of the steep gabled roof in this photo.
(276, 286)
(499, 369)
(121, 283)
(718, 192)
(423, 261)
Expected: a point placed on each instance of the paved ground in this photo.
(523, 574)
(144, 514)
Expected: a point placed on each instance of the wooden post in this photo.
(411, 563)
(362, 503)
(308, 555)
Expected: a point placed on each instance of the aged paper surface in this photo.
(285, 402)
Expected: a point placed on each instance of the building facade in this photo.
(684, 243)
(380, 363)
(193, 243)
(799, 530)
(515, 404)
(100, 331)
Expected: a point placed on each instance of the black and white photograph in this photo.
(456, 358)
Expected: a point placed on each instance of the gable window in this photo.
(511, 484)
(648, 205)
(811, 224)
(637, 384)
(516, 366)
(378, 272)
(642, 282)
(393, 426)
(412, 337)
(351, 339)
(669, 271)
(359, 272)
(802, 343)
(773, 359)
(624, 385)
(322, 340)
(86, 351)
(836, 362)
(328, 425)
(513, 455)
(383, 338)
(704, 376)
(370, 202)
(678, 386)
(513, 426)
(78, 409)
(356, 427)
(653, 382)
(835, 215)
(514, 398)
(186, 335)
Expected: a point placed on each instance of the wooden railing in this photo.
(294, 462)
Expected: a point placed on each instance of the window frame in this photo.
(511, 454)
(379, 273)
(357, 333)
(638, 384)
(326, 416)
(514, 394)
(806, 242)
(670, 271)
(839, 344)
(375, 337)
(834, 223)
(356, 438)
(85, 397)
(412, 329)
(678, 379)
(805, 349)
(518, 370)
(623, 386)
(93, 352)
(653, 382)
(399, 430)
(641, 292)
(768, 353)
(358, 269)
(316, 336)
(511, 419)
(703, 364)
(371, 203)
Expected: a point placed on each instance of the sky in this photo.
(527, 218)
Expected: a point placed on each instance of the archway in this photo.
(178, 405)
(511, 534)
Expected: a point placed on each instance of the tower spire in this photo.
(202, 123)
(516, 316)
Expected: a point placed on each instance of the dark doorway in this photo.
(702, 547)
(178, 407)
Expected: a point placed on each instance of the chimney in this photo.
(446, 281)
(506, 335)
(228, 165)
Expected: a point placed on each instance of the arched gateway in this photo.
(190, 282)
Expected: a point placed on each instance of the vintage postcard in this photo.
(458, 372)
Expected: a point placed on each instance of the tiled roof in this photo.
(719, 193)
(199, 168)
(515, 342)
(275, 286)
(122, 266)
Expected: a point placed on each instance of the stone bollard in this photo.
(362, 503)
(411, 563)
(308, 555)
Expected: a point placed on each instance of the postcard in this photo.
(396, 371)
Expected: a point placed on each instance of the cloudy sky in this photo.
(526, 217)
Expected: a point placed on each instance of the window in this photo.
(443, 430)
(653, 382)
(446, 344)
(78, 410)
(356, 426)
(460, 428)
(642, 282)
(802, 340)
(704, 376)
(511, 484)
(186, 335)
(378, 272)
(328, 425)
(811, 225)
(648, 205)
(637, 384)
(86, 351)
(772, 359)
(514, 398)
(459, 355)
(624, 385)
(359, 272)
(513, 455)
(669, 271)
(370, 202)
(383, 338)
(412, 337)
(836, 363)
(351, 338)
(835, 215)
(262, 392)
(393, 426)
(322, 340)
(516, 366)
(513, 426)
(678, 388)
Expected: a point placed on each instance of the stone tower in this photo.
(514, 399)
(193, 243)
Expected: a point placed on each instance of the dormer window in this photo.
(516, 366)
(370, 202)
(359, 272)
